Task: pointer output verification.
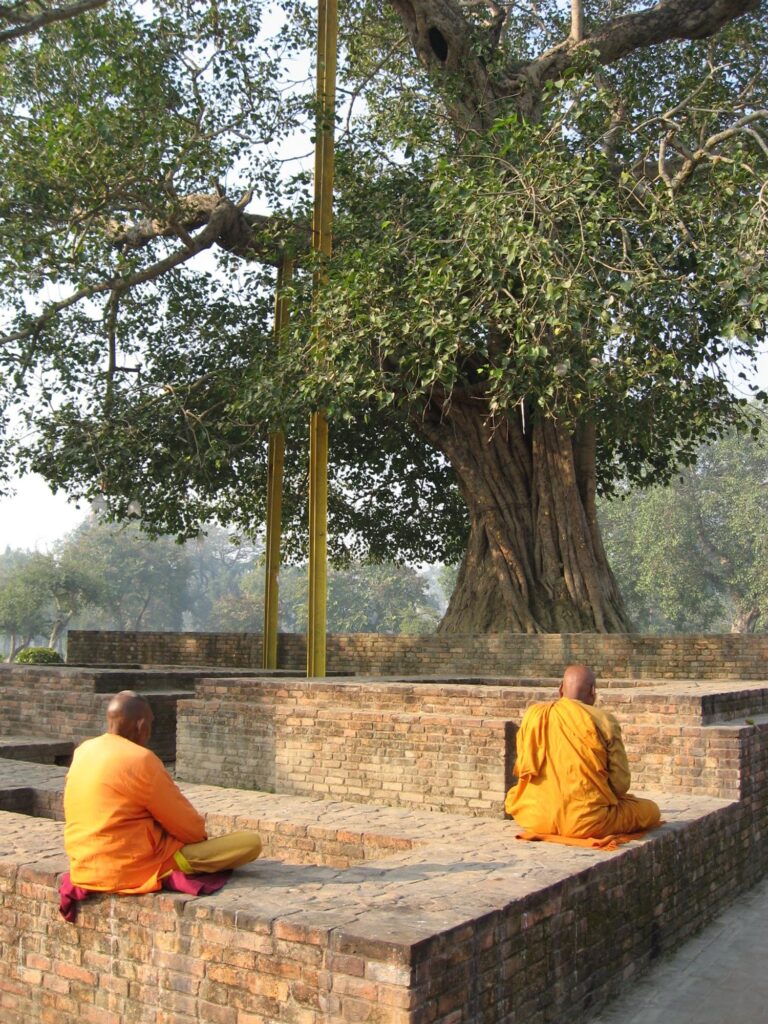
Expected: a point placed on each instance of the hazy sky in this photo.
(35, 519)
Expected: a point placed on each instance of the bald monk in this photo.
(127, 824)
(572, 770)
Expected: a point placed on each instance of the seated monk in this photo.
(127, 824)
(572, 770)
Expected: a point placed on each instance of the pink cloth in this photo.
(71, 895)
(196, 885)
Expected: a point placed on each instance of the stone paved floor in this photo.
(719, 977)
(409, 895)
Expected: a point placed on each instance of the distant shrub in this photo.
(39, 656)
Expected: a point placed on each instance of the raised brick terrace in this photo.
(46, 709)
(371, 902)
(360, 913)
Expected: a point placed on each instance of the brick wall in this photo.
(728, 656)
(438, 746)
(91, 647)
(349, 742)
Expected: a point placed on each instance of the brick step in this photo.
(37, 749)
(144, 682)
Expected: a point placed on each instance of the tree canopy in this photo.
(551, 233)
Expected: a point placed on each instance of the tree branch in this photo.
(23, 24)
(253, 236)
(669, 19)
(708, 150)
(450, 46)
(120, 283)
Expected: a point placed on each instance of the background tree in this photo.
(104, 576)
(41, 594)
(140, 584)
(361, 599)
(25, 598)
(74, 584)
(549, 237)
(381, 599)
(218, 564)
(693, 556)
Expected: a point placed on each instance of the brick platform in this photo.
(55, 704)
(369, 914)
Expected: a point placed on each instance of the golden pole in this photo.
(275, 489)
(327, 32)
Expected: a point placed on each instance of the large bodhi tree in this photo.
(551, 234)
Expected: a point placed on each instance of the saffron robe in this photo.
(573, 775)
(125, 817)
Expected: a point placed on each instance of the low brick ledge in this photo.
(37, 749)
(453, 921)
(704, 702)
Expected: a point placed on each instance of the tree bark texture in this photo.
(534, 561)
(746, 619)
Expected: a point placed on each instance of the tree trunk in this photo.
(746, 619)
(60, 623)
(17, 648)
(534, 561)
(140, 617)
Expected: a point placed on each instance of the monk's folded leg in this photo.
(633, 814)
(219, 854)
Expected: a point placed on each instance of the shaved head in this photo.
(130, 716)
(579, 684)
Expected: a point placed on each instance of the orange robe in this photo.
(573, 775)
(124, 817)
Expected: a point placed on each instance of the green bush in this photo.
(39, 656)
